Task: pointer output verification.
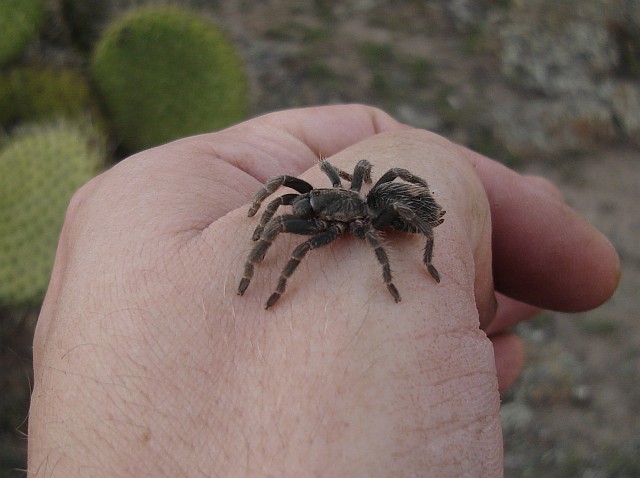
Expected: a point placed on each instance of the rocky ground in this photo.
(550, 88)
(574, 411)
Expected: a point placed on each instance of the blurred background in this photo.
(546, 87)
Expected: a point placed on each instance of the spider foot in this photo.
(272, 299)
(244, 283)
(434, 272)
(394, 292)
(257, 233)
(253, 209)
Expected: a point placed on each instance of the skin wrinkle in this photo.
(303, 146)
(153, 347)
(59, 451)
(481, 426)
(462, 425)
(477, 208)
(238, 381)
(50, 307)
(293, 157)
(435, 369)
(478, 225)
(379, 173)
(376, 122)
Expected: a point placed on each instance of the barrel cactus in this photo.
(19, 23)
(33, 93)
(166, 72)
(40, 168)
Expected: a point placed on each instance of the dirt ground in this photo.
(575, 410)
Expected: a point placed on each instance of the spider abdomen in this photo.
(418, 199)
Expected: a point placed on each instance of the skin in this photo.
(147, 363)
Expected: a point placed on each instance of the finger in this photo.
(510, 312)
(292, 141)
(189, 183)
(544, 252)
(509, 356)
(545, 185)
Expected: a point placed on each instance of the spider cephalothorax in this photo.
(327, 213)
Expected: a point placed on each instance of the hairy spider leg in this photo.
(329, 169)
(407, 214)
(270, 187)
(363, 168)
(319, 240)
(344, 175)
(284, 223)
(270, 210)
(426, 258)
(362, 172)
(373, 238)
(401, 173)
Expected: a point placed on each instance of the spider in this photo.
(327, 213)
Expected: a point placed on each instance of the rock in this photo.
(625, 101)
(564, 62)
(551, 126)
(515, 416)
(551, 381)
(550, 50)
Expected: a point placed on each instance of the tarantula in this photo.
(327, 213)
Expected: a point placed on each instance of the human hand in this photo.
(148, 363)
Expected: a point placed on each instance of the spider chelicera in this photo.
(327, 213)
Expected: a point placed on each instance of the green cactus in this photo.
(30, 94)
(40, 168)
(164, 73)
(19, 23)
